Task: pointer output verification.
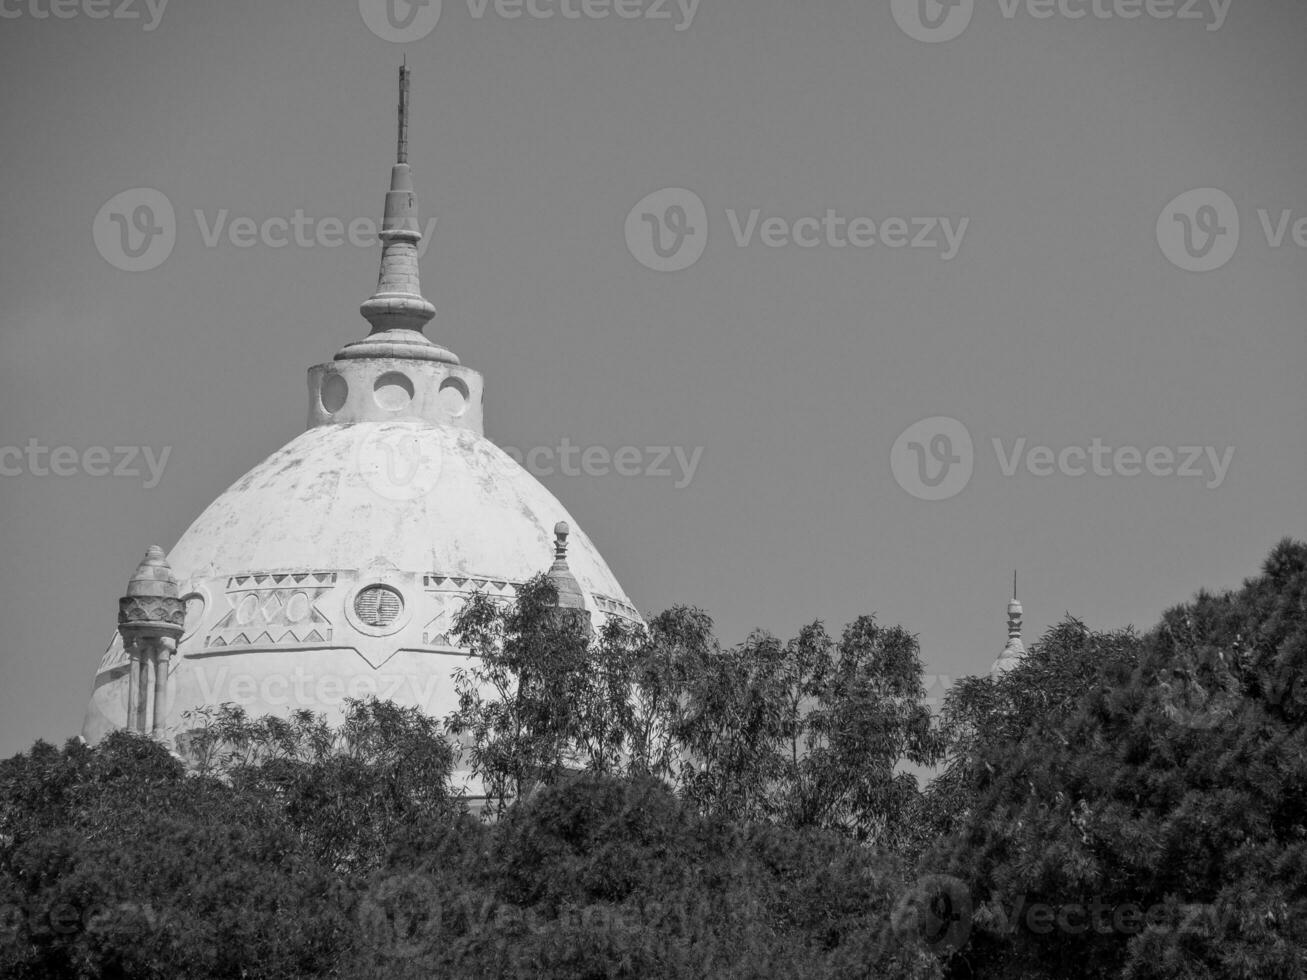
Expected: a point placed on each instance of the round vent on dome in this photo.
(378, 606)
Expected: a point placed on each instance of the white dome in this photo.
(335, 567)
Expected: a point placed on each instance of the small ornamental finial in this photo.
(152, 605)
(569, 589)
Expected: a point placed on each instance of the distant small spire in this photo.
(1015, 648)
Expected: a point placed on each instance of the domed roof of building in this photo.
(336, 566)
(413, 494)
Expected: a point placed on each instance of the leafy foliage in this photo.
(1164, 774)
(597, 876)
(1120, 804)
(136, 869)
(810, 733)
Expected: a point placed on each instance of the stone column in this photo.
(142, 685)
(133, 685)
(164, 647)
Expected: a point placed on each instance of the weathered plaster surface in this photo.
(271, 571)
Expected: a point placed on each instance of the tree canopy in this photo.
(1121, 804)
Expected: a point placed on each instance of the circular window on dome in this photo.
(378, 606)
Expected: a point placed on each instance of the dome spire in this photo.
(397, 309)
(1015, 649)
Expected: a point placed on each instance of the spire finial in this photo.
(1015, 648)
(397, 310)
(561, 531)
(401, 152)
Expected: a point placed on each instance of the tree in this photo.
(344, 791)
(809, 732)
(124, 866)
(540, 696)
(866, 715)
(596, 876)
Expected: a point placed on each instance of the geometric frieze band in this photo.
(272, 609)
(286, 608)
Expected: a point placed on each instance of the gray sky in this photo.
(1060, 319)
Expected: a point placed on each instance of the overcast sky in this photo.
(1036, 289)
